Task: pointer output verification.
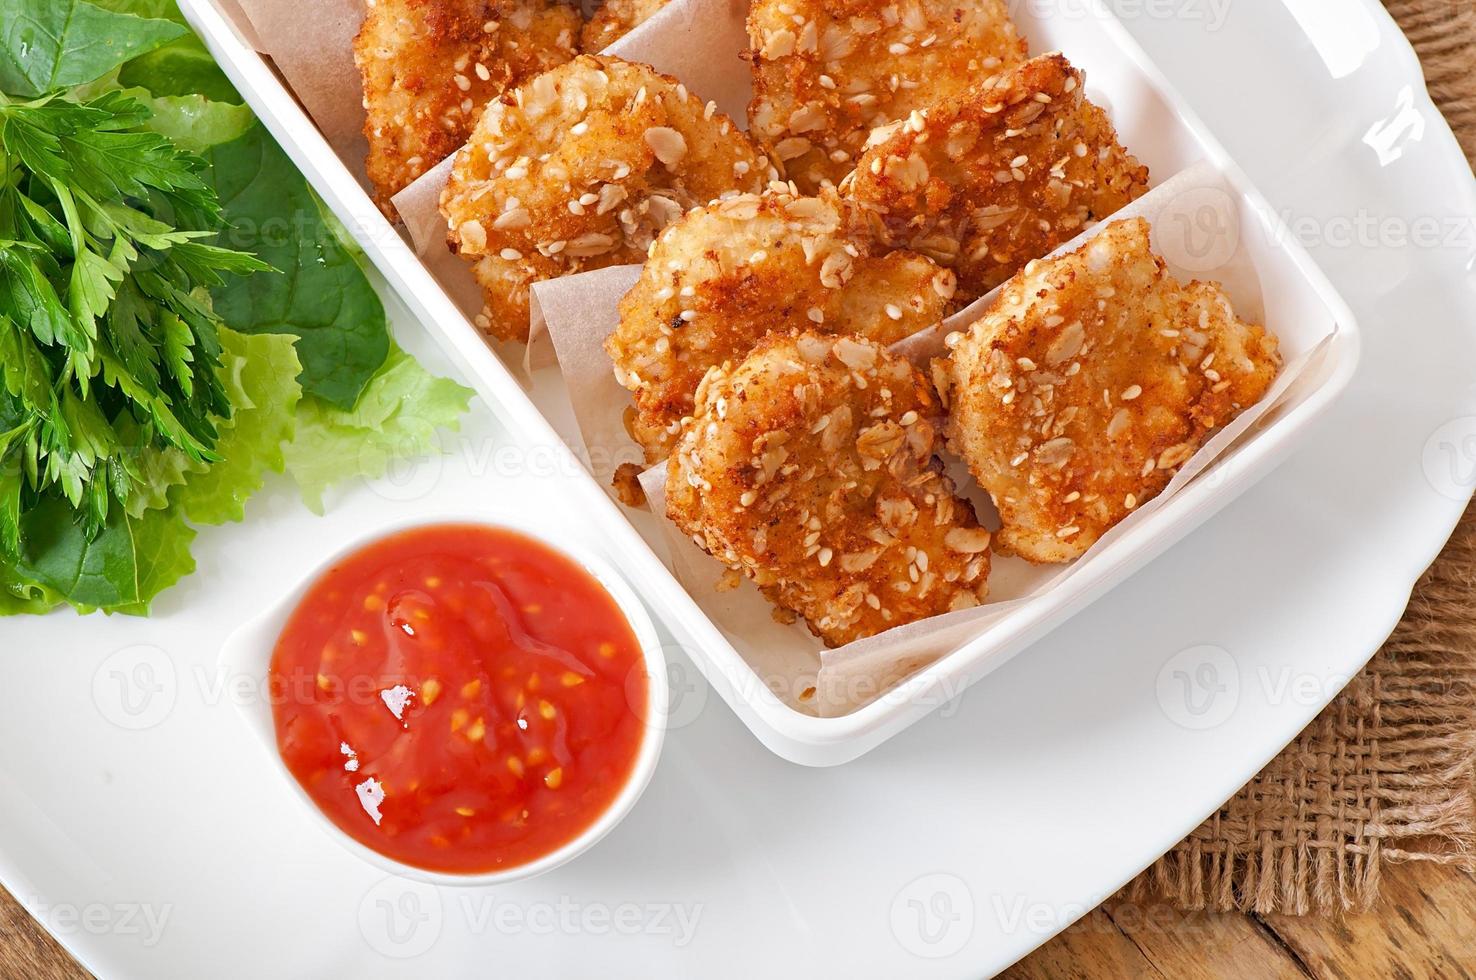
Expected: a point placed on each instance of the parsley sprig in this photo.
(109, 352)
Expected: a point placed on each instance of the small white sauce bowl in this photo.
(248, 653)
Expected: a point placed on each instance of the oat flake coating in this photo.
(722, 277)
(1091, 379)
(1002, 174)
(826, 73)
(580, 169)
(430, 66)
(810, 467)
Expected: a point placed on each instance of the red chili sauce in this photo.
(459, 698)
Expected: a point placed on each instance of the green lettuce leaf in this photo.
(261, 373)
(194, 122)
(19, 597)
(50, 44)
(121, 569)
(321, 296)
(396, 417)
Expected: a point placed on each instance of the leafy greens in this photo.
(110, 353)
(152, 371)
(321, 296)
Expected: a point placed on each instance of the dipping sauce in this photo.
(459, 698)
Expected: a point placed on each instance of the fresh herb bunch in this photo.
(109, 351)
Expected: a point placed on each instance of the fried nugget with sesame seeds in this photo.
(827, 72)
(580, 169)
(723, 277)
(616, 18)
(430, 66)
(1002, 174)
(1090, 380)
(809, 466)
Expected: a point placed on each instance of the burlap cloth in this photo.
(1387, 773)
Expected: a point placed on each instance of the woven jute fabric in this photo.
(1387, 773)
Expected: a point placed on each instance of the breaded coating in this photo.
(580, 169)
(810, 467)
(723, 277)
(616, 18)
(430, 66)
(827, 72)
(1091, 379)
(1002, 174)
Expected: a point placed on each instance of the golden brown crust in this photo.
(723, 277)
(1091, 379)
(430, 66)
(826, 72)
(580, 169)
(809, 467)
(614, 19)
(1002, 174)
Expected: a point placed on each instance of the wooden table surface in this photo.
(1425, 925)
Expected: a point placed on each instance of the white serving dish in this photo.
(1015, 810)
(1162, 130)
(246, 657)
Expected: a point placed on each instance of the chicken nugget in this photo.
(1002, 174)
(616, 18)
(722, 277)
(810, 467)
(430, 66)
(1090, 380)
(580, 169)
(827, 72)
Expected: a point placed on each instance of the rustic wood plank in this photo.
(1208, 945)
(27, 950)
(1125, 939)
(1424, 926)
(1092, 949)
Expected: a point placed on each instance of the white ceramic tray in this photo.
(1154, 122)
(985, 828)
